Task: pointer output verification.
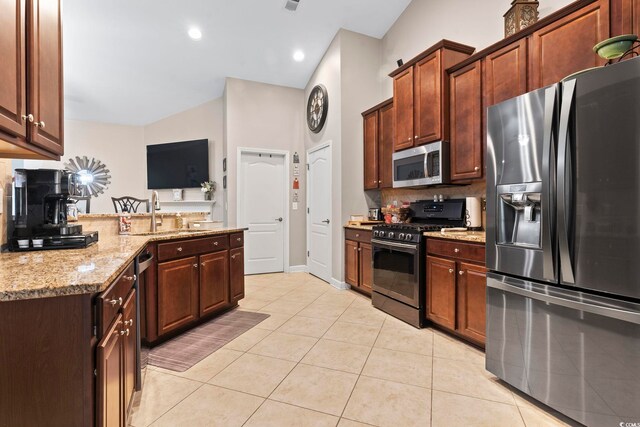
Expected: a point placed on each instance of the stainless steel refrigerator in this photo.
(563, 244)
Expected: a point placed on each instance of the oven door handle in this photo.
(394, 245)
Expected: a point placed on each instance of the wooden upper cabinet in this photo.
(625, 17)
(45, 75)
(385, 146)
(505, 73)
(13, 90)
(466, 122)
(371, 151)
(566, 45)
(177, 294)
(403, 109)
(214, 282)
(427, 106)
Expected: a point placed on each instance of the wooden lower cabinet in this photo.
(472, 288)
(456, 288)
(177, 294)
(441, 291)
(236, 279)
(129, 349)
(358, 266)
(110, 381)
(214, 282)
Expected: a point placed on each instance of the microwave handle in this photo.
(427, 173)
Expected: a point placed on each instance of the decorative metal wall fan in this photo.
(93, 175)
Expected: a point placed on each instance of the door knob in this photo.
(279, 219)
(326, 221)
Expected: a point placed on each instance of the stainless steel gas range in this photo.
(399, 258)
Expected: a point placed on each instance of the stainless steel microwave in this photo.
(421, 166)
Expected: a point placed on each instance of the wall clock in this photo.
(317, 108)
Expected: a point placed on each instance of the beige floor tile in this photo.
(316, 388)
(387, 403)
(448, 348)
(247, 340)
(161, 392)
(361, 302)
(252, 303)
(338, 298)
(284, 346)
(411, 340)
(211, 365)
(364, 316)
(278, 414)
(465, 378)
(211, 406)
(274, 321)
(338, 355)
(455, 410)
(399, 366)
(322, 311)
(307, 296)
(353, 333)
(306, 326)
(254, 374)
(349, 423)
(282, 306)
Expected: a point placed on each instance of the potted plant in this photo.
(208, 187)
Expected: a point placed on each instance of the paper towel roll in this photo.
(473, 218)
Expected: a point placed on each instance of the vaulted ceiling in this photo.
(132, 61)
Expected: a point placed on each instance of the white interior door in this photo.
(319, 213)
(261, 208)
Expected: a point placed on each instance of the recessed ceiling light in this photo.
(298, 56)
(195, 33)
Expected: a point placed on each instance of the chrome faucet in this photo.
(155, 206)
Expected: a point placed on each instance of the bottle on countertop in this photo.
(179, 222)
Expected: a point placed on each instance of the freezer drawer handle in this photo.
(590, 307)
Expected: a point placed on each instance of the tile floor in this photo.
(326, 357)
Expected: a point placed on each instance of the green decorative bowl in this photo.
(615, 47)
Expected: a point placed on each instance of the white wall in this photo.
(202, 122)
(259, 115)
(425, 22)
(120, 148)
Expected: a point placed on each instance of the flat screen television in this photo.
(178, 164)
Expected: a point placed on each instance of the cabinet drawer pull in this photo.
(239, 239)
(451, 270)
(131, 278)
(215, 243)
(116, 301)
(456, 250)
(179, 249)
(357, 235)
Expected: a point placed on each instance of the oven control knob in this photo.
(375, 233)
(392, 234)
(408, 237)
(401, 236)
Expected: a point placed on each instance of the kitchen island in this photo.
(68, 319)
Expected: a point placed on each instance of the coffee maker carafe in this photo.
(41, 197)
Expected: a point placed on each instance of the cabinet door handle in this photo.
(477, 168)
(202, 263)
(28, 118)
(409, 139)
(179, 249)
(116, 301)
(195, 265)
(359, 249)
(39, 124)
(234, 256)
(125, 332)
(451, 270)
(128, 322)
(355, 249)
(461, 272)
(416, 137)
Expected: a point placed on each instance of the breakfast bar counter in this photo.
(52, 273)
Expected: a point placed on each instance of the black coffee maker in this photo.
(41, 197)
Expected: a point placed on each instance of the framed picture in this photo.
(224, 182)
(224, 164)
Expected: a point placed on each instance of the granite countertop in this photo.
(42, 274)
(467, 236)
(136, 215)
(360, 227)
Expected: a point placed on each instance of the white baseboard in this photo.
(298, 269)
(339, 284)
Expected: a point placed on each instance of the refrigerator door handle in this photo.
(548, 181)
(565, 182)
(538, 292)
